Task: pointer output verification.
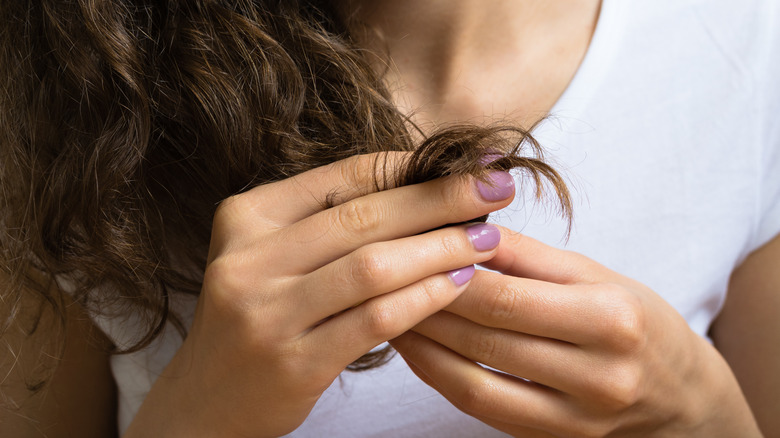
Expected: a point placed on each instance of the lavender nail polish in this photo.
(484, 237)
(489, 158)
(462, 275)
(500, 185)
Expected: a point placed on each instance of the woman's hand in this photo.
(587, 352)
(293, 292)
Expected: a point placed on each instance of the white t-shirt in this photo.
(669, 136)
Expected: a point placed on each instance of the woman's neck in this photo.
(474, 59)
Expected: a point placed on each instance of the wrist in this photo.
(173, 408)
(721, 409)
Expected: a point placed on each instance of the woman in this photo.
(647, 104)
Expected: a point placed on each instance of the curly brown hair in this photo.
(124, 123)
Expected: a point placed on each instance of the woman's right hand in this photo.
(293, 292)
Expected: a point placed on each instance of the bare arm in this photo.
(80, 398)
(747, 333)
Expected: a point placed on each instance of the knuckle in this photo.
(371, 172)
(504, 303)
(359, 217)
(370, 268)
(451, 245)
(382, 321)
(624, 319)
(358, 170)
(223, 276)
(433, 289)
(228, 209)
(476, 397)
(229, 288)
(630, 333)
(486, 347)
(624, 389)
(240, 213)
(452, 193)
(618, 388)
(229, 203)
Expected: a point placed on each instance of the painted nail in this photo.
(489, 158)
(462, 275)
(484, 237)
(500, 185)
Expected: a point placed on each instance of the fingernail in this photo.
(483, 236)
(489, 158)
(462, 275)
(499, 185)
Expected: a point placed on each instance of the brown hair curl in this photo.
(124, 123)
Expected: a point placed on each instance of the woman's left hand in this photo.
(582, 350)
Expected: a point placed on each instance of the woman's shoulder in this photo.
(56, 371)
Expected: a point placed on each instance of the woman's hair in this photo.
(124, 123)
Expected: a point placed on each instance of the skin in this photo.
(747, 333)
(327, 286)
(80, 399)
(471, 60)
(609, 357)
(604, 351)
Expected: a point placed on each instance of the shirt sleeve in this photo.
(768, 214)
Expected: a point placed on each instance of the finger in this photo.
(588, 315)
(523, 256)
(290, 200)
(549, 362)
(392, 214)
(351, 334)
(512, 429)
(481, 392)
(515, 430)
(383, 267)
